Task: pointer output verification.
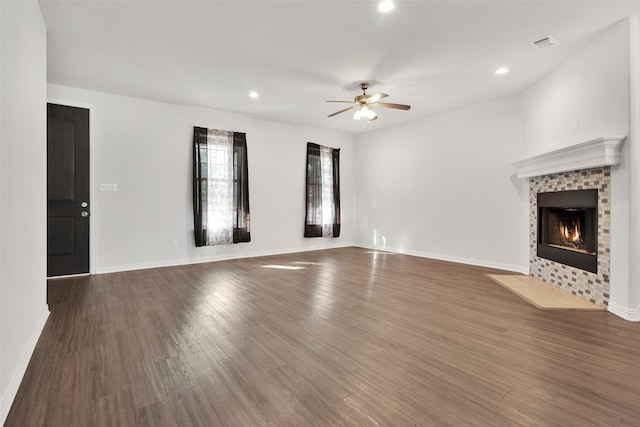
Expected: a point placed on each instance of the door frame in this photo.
(92, 198)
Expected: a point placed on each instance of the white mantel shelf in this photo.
(605, 151)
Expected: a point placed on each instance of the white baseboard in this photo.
(630, 314)
(461, 260)
(213, 258)
(18, 373)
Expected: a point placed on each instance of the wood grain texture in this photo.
(355, 337)
(543, 295)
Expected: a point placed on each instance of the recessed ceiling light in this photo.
(386, 6)
(502, 70)
(254, 94)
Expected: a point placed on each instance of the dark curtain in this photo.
(313, 216)
(200, 168)
(241, 220)
(335, 157)
(313, 224)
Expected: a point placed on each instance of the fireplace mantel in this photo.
(605, 151)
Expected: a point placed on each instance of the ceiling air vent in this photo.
(544, 43)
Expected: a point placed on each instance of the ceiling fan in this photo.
(363, 103)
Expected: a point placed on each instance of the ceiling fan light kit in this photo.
(363, 105)
(365, 112)
(385, 6)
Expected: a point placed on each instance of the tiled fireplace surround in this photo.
(591, 286)
(579, 167)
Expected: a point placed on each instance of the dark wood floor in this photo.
(350, 338)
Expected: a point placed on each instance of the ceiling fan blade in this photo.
(341, 111)
(376, 97)
(348, 102)
(396, 106)
(374, 118)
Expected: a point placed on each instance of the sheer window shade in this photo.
(220, 187)
(322, 218)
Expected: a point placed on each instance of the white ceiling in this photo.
(433, 55)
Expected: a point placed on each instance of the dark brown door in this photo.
(67, 190)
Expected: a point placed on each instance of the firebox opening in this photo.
(568, 228)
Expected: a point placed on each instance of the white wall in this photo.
(592, 87)
(146, 149)
(444, 176)
(634, 145)
(23, 308)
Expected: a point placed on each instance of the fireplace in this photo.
(568, 228)
(584, 166)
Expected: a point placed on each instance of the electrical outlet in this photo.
(416, 237)
(174, 243)
(438, 239)
(576, 125)
(555, 133)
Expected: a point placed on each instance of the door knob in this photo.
(84, 204)
(84, 214)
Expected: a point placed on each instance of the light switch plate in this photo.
(108, 187)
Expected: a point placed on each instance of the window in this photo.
(220, 187)
(323, 191)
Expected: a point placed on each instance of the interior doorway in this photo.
(68, 190)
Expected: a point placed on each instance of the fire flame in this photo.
(571, 233)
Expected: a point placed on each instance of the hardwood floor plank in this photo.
(68, 398)
(547, 407)
(194, 409)
(372, 406)
(353, 337)
(234, 404)
(311, 394)
(112, 410)
(158, 414)
(443, 402)
(146, 391)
